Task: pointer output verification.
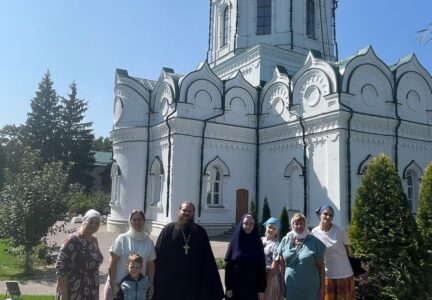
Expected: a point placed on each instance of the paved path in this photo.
(47, 282)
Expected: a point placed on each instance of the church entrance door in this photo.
(242, 203)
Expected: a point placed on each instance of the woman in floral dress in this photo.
(78, 262)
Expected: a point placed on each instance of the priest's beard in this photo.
(185, 224)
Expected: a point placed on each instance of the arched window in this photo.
(214, 188)
(156, 174)
(294, 175)
(410, 189)
(263, 17)
(115, 184)
(225, 27)
(215, 172)
(411, 175)
(310, 19)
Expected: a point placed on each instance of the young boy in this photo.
(134, 285)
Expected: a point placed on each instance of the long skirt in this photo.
(339, 289)
(275, 289)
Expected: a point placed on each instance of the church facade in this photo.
(271, 114)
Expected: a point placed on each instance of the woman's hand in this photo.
(229, 293)
(150, 291)
(62, 282)
(114, 290)
(260, 296)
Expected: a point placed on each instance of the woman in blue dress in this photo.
(302, 255)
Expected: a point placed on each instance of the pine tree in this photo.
(253, 210)
(41, 130)
(424, 221)
(76, 138)
(284, 223)
(383, 233)
(265, 215)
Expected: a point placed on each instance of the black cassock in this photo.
(181, 276)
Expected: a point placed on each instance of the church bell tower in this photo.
(296, 26)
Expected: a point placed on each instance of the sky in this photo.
(87, 40)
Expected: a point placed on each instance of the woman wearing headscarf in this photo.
(275, 285)
(78, 262)
(339, 279)
(245, 271)
(302, 255)
(135, 240)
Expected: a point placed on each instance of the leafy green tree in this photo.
(32, 201)
(284, 223)
(11, 143)
(424, 221)
(83, 202)
(76, 138)
(384, 234)
(102, 144)
(265, 215)
(41, 130)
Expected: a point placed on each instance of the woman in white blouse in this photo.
(339, 279)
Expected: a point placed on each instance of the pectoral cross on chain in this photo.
(186, 240)
(186, 248)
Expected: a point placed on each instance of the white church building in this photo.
(272, 113)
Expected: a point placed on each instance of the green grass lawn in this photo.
(11, 266)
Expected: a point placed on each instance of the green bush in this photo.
(83, 202)
(284, 223)
(253, 210)
(266, 214)
(383, 233)
(424, 221)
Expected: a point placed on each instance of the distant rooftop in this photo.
(102, 158)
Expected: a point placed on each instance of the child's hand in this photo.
(115, 290)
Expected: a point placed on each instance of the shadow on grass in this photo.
(41, 275)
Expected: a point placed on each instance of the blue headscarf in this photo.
(244, 246)
(323, 208)
(274, 221)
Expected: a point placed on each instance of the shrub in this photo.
(424, 221)
(284, 223)
(265, 215)
(383, 233)
(253, 210)
(83, 202)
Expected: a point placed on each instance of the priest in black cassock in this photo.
(185, 266)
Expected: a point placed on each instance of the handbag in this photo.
(356, 266)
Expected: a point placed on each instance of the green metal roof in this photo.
(102, 158)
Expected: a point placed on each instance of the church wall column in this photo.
(129, 152)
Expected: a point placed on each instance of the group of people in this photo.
(303, 265)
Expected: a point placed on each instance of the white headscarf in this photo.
(134, 234)
(91, 214)
(299, 235)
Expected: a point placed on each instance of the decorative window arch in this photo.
(156, 176)
(411, 176)
(295, 179)
(264, 11)
(310, 19)
(115, 184)
(225, 26)
(215, 171)
(363, 165)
